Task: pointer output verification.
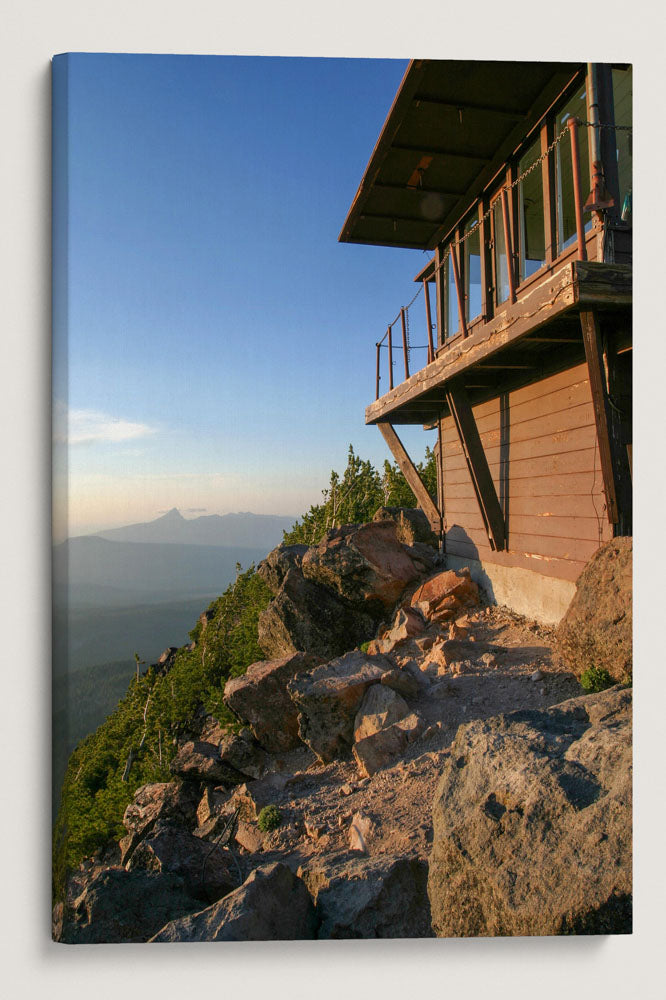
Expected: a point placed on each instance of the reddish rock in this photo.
(381, 707)
(445, 592)
(366, 565)
(260, 698)
(379, 749)
(412, 524)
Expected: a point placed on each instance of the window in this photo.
(473, 292)
(531, 214)
(566, 210)
(622, 84)
(501, 261)
(450, 298)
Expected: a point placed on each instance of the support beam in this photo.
(614, 461)
(470, 441)
(409, 471)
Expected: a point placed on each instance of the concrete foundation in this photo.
(543, 598)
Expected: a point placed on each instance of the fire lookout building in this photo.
(517, 176)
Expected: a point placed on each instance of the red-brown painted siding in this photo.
(540, 442)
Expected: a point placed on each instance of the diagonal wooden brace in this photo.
(409, 471)
(468, 433)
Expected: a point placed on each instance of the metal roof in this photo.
(451, 127)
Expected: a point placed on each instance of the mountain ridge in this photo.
(234, 530)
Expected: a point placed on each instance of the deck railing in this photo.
(406, 327)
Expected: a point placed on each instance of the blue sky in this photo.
(215, 348)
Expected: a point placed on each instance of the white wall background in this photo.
(31, 965)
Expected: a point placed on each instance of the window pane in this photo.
(530, 202)
(622, 103)
(501, 270)
(451, 300)
(473, 297)
(566, 210)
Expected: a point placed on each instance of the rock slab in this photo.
(532, 823)
(273, 904)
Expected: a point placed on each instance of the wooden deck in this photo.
(509, 343)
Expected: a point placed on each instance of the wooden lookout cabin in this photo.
(517, 177)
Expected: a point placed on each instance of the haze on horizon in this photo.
(213, 342)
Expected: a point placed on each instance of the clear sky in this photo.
(214, 343)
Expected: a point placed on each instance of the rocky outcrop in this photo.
(328, 698)
(165, 800)
(260, 698)
(306, 616)
(273, 904)
(207, 872)
(119, 906)
(366, 565)
(241, 752)
(383, 746)
(532, 823)
(383, 897)
(381, 707)
(199, 761)
(413, 527)
(444, 596)
(596, 631)
(274, 568)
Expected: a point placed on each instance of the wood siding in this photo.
(540, 442)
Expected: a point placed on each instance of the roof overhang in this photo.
(450, 129)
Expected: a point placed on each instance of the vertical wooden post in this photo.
(439, 292)
(486, 263)
(578, 197)
(410, 472)
(379, 347)
(405, 349)
(508, 246)
(426, 295)
(439, 464)
(459, 292)
(390, 354)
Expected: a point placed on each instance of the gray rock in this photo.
(306, 616)
(173, 800)
(382, 897)
(273, 904)
(596, 631)
(260, 698)
(328, 698)
(207, 871)
(240, 751)
(403, 682)
(199, 761)
(121, 906)
(413, 526)
(532, 823)
(274, 568)
(381, 707)
(381, 748)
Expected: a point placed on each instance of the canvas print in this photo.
(342, 498)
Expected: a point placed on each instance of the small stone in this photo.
(537, 675)
(359, 831)
(347, 789)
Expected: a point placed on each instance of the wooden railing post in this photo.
(459, 293)
(405, 349)
(379, 347)
(431, 346)
(578, 195)
(390, 354)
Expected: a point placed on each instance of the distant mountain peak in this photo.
(172, 515)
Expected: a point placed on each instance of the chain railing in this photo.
(571, 127)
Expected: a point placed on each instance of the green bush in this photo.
(364, 646)
(270, 817)
(596, 679)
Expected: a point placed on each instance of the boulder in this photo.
(255, 795)
(381, 748)
(306, 616)
(240, 752)
(596, 630)
(412, 524)
(211, 803)
(173, 800)
(207, 871)
(381, 706)
(273, 904)
(120, 906)
(532, 823)
(328, 697)
(166, 660)
(260, 698)
(402, 682)
(382, 897)
(274, 568)
(444, 595)
(199, 761)
(365, 565)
